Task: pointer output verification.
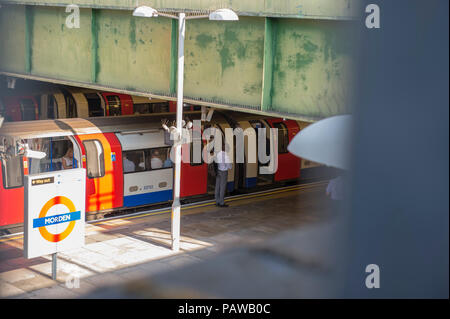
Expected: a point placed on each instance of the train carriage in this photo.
(20, 108)
(127, 159)
(42, 102)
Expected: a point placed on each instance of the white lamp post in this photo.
(148, 12)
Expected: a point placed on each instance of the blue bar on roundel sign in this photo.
(56, 219)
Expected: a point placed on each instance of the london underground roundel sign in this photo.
(42, 221)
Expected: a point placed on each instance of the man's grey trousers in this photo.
(221, 186)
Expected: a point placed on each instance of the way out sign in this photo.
(54, 212)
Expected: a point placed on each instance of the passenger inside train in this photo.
(156, 161)
(67, 159)
(128, 164)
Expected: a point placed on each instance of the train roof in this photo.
(79, 126)
(93, 125)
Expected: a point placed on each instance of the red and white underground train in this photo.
(127, 159)
(66, 102)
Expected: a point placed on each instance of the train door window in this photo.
(187, 107)
(12, 171)
(283, 137)
(71, 106)
(133, 161)
(142, 108)
(158, 158)
(114, 105)
(94, 105)
(59, 155)
(28, 109)
(95, 159)
(160, 107)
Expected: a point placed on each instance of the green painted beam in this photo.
(267, 79)
(94, 46)
(173, 57)
(29, 20)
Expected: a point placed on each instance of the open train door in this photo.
(101, 157)
(261, 179)
(11, 191)
(287, 129)
(194, 171)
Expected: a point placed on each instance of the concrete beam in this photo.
(299, 69)
(314, 9)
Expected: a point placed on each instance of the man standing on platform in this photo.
(223, 163)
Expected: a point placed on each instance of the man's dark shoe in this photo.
(224, 205)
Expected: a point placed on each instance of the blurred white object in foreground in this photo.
(326, 141)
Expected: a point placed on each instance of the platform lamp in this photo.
(217, 15)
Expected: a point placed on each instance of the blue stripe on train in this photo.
(250, 182)
(163, 196)
(147, 198)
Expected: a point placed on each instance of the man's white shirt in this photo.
(223, 161)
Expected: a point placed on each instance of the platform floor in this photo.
(134, 247)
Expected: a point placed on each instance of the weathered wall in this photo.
(298, 68)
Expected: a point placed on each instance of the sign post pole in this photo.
(54, 264)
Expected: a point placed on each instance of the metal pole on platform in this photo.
(176, 205)
(54, 265)
(148, 12)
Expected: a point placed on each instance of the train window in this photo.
(12, 171)
(59, 155)
(142, 108)
(160, 107)
(158, 158)
(146, 160)
(71, 106)
(133, 161)
(114, 106)
(94, 105)
(95, 159)
(28, 109)
(283, 137)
